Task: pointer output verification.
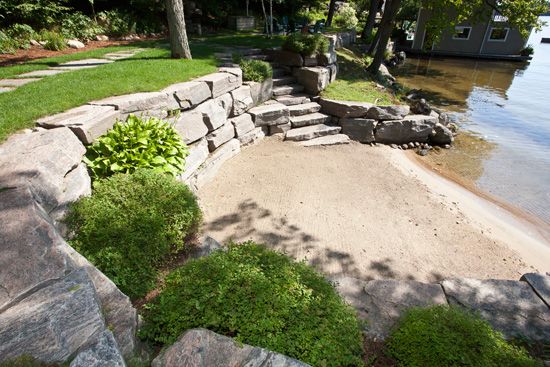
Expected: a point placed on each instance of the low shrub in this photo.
(54, 41)
(114, 22)
(131, 223)
(443, 336)
(312, 15)
(16, 36)
(137, 143)
(306, 44)
(346, 17)
(256, 70)
(8, 45)
(259, 297)
(79, 26)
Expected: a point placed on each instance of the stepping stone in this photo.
(285, 80)
(288, 89)
(41, 73)
(512, 307)
(311, 132)
(304, 109)
(82, 64)
(6, 89)
(387, 301)
(16, 82)
(310, 119)
(291, 100)
(540, 284)
(327, 140)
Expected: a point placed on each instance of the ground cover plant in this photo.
(262, 298)
(353, 83)
(443, 336)
(140, 142)
(306, 44)
(131, 223)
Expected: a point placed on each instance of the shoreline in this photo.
(520, 231)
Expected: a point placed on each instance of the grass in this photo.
(353, 83)
(243, 39)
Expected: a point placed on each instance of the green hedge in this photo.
(444, 336)
(262, 298)
(306, 44)
(131, 223)
(256, 70)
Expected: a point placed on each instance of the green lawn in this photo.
(353, 83)
(150, 70)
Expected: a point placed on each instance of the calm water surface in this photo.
(509, 105)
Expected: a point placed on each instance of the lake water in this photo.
(509, 105)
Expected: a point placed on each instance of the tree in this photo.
(371, 18)
(331, 10)
(384, 32)
(179, 43)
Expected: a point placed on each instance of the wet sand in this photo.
(367, 212)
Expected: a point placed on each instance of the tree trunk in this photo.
(386, 27)
(265, 17)
(270, 18)
(247, 2)
(371, 19)
(331, 8)
(178, 35)
(374, 43)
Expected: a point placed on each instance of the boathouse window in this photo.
(462, 33)
(499, 34)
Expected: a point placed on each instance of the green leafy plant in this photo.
(115, 22)
(346, 17)
(306, 44)
(262, 298)
(8, 45)
(79, 26)
(131, 223)
(137, 143)
(54, 41)
(256, 70)
(444, 336)
(527, 51)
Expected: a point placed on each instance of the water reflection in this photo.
(509, 104)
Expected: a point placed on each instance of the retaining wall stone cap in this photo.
(540, 284)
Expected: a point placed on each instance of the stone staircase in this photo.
(307, 125)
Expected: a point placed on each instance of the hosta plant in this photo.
(137, 143)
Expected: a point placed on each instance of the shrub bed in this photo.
(137, 143)
(443, 336)
(306, 44)
(262, 298)
(131, 223)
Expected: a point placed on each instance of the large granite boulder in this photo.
(333, 68)
(359, 129)
(261, 92)
(88, 122)
(540, 284)
(242, 124)
(54, 321)
(208, 170)
(220, 136)
(511, 307)
(352, 290)
(103, 353)
(387, 301)
(242, 100)
(48, 162)
(220, 83)
(348, 109)
(327, 58)
(288, 58)
(395, 112)
(314, 79)
(441, 135)
(198, 152)
(225, 101)
(214, 114)
(201, 348)
(270, 114)
(413, 128)
(189, 94)
(190, 126)
(136, 102)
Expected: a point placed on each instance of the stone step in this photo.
(304, 108)
(311, 132)
(291, 100)
(327, 140)
(315, 118)
(288, 89)
(285, 80)
(257, 57)
(278, 73)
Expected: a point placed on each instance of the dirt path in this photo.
(348, 209)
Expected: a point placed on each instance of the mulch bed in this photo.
(375, 355)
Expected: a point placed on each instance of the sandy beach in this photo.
(367, 212)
